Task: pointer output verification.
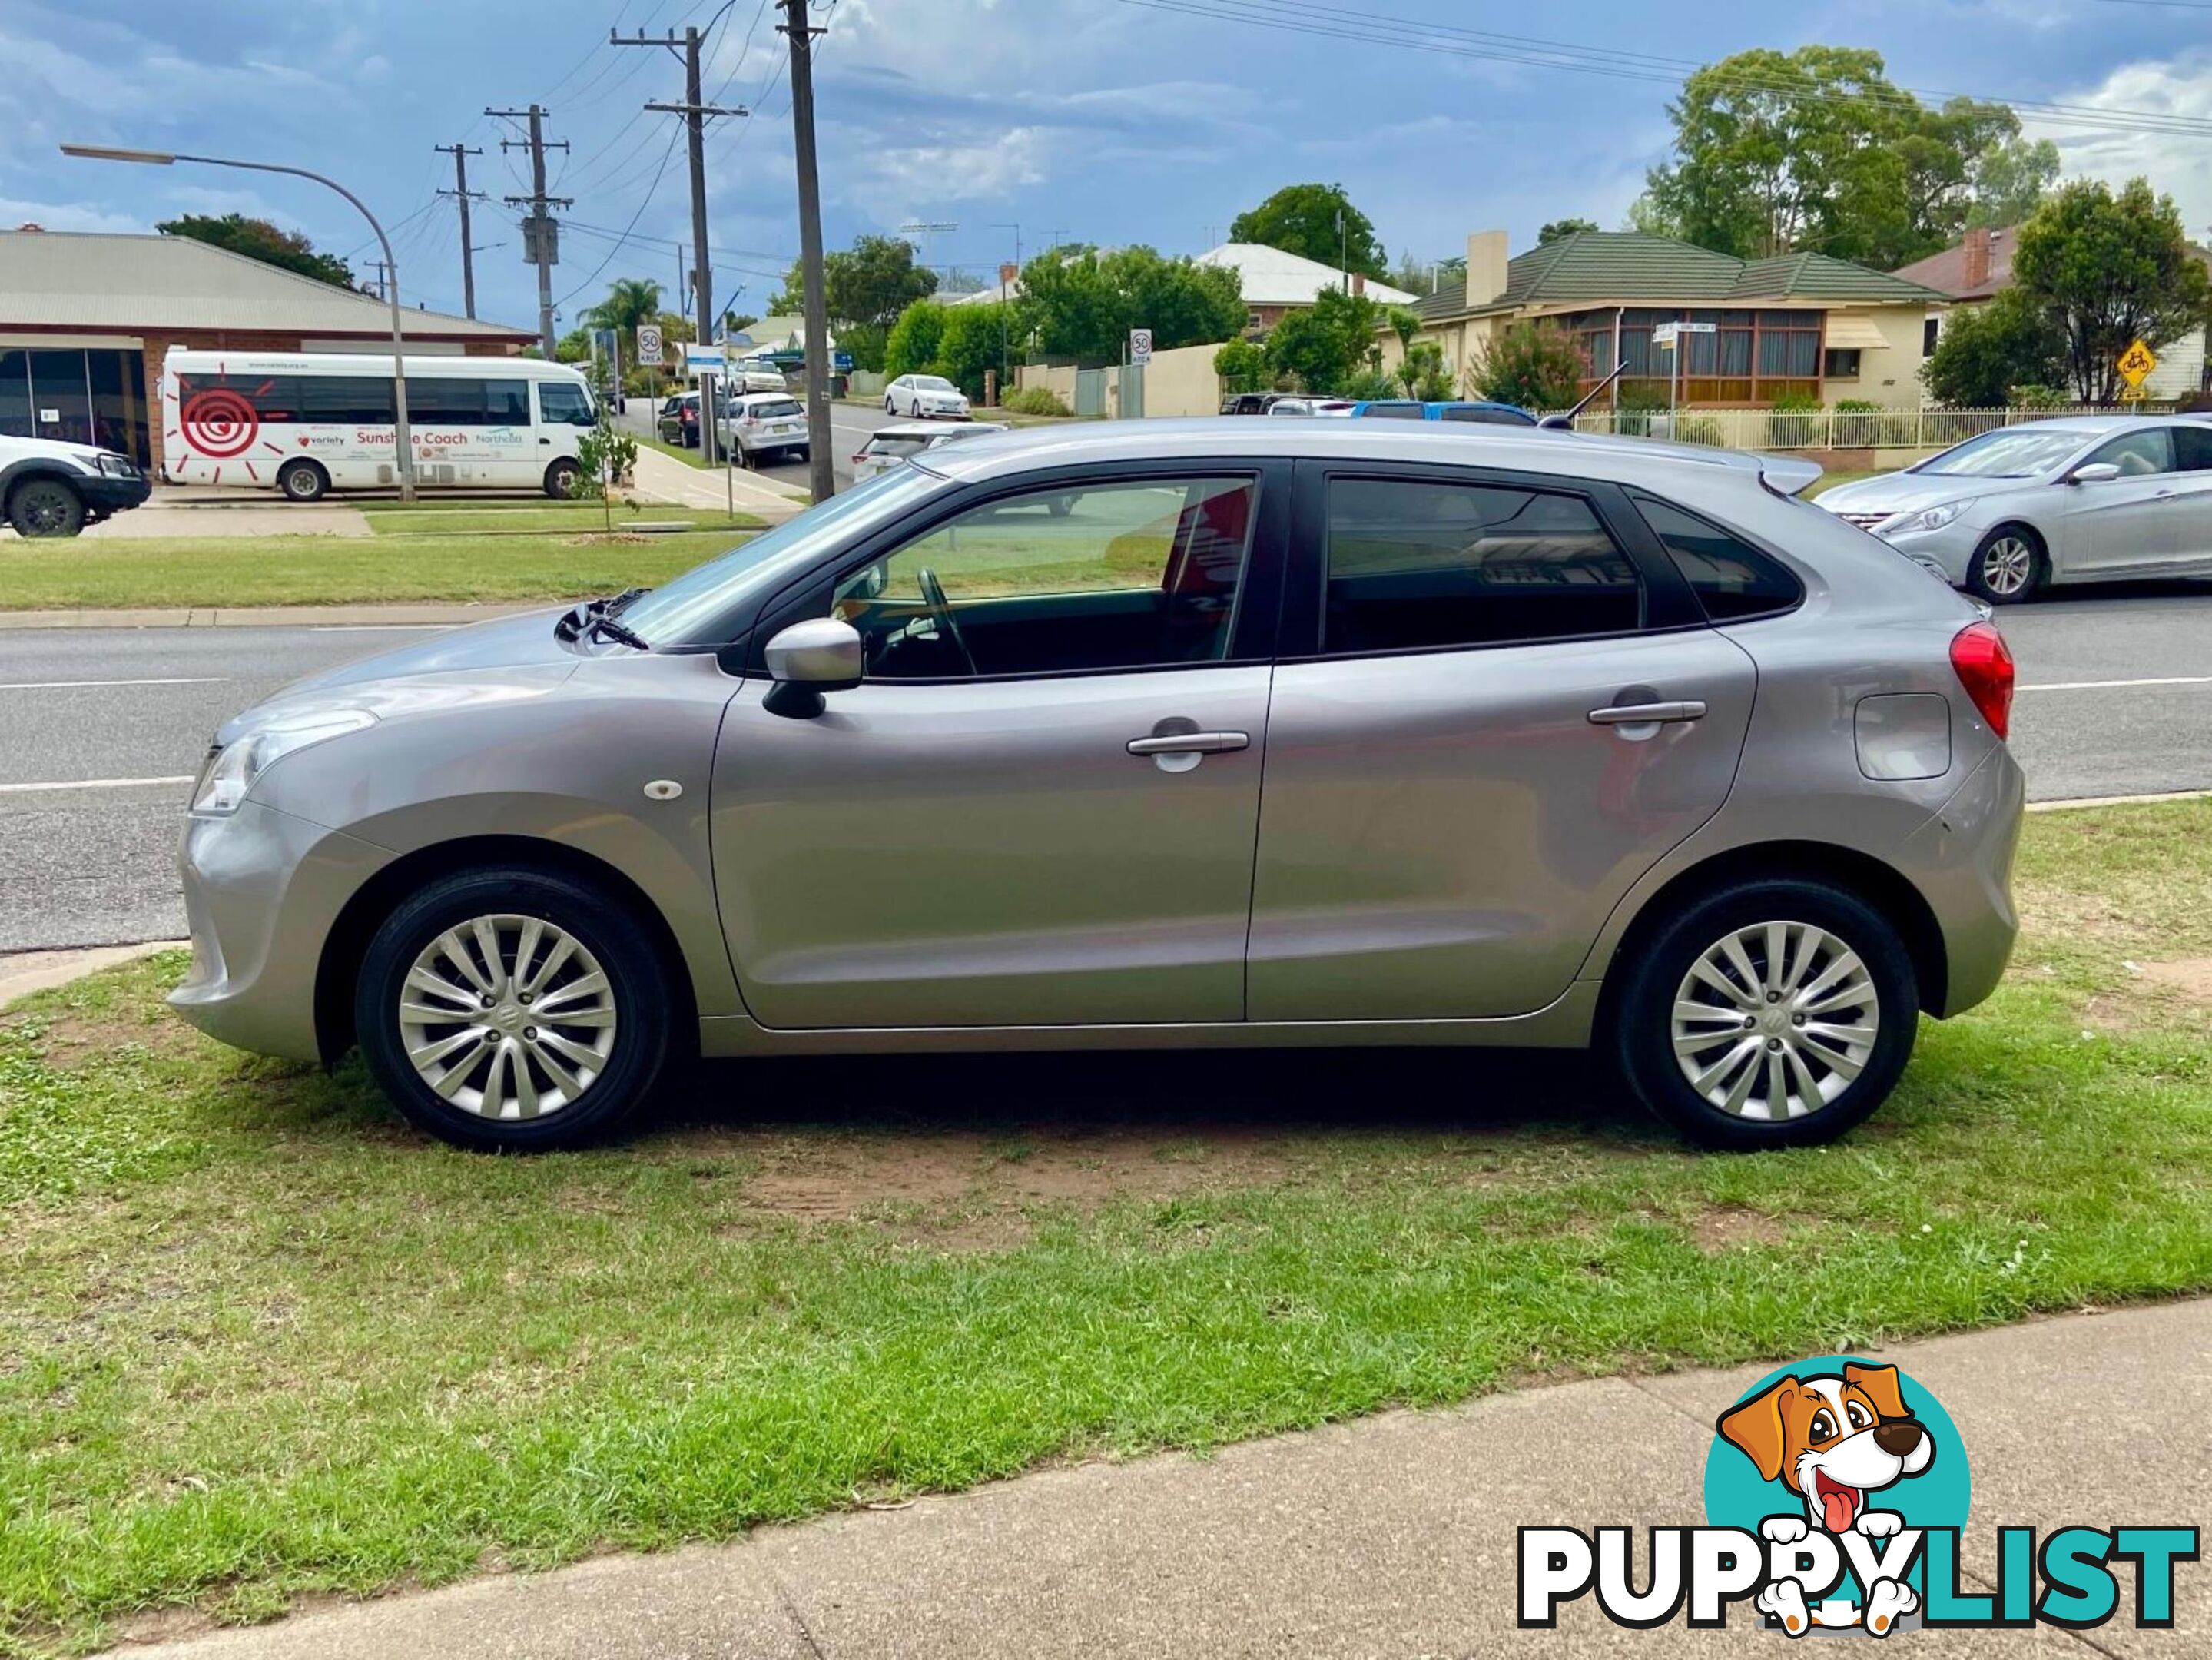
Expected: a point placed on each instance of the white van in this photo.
(303, 423)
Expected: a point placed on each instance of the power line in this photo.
(644, 203)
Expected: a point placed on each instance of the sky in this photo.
(1018, 122)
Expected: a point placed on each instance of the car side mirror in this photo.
(822, 654)
(2093, 472)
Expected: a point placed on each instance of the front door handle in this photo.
(1648, 715)
(1191, 743)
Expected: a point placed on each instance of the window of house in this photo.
(1840, 362)
(1414, 565)
(1133, 574)
(1732, 579)
(1929, 332)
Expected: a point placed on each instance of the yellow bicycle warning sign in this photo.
(2136, 362)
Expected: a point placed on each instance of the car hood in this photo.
(1903, 492)
(509, 657)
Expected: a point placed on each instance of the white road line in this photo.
(71, 686)
(93, 784)
(2112, 686)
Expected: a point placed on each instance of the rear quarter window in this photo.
(1732, 579)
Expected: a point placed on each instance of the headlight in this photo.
(117, 466)
(232, 771)
(1933, 518)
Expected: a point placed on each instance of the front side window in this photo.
(1416, 566)
(1128, 576)
(1487, 417)
(1732, 579)
(2138, 454)
(564, 403)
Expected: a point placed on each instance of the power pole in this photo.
(541, 231)
(821, 462)
(695, 111)
(461, 193)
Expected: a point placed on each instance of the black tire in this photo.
(560, 479)
(1991, 573)
(888, 409)
(638, 990)
(45, 507)
(303, 481)
(1638, 1033)
(800, 454)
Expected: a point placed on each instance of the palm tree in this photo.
(630, 300)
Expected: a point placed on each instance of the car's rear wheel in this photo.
(302, 481)
(1774, 1013)
(2009, 567)
(45, 507)
(513, 1009)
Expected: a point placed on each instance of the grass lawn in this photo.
(689, 456)
(575, 518)
(258, 1340)
(1829, 481)
(469, 561)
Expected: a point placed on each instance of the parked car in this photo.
(921, 397)
(758, 375)
(1252, 403)
(889, 446)
(48, 488)
(678, 421)
(1593, 742)
(1311, 406)
(1409, 409)
(763, 426)
(2006, 514)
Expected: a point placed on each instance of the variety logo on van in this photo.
(1836, 1500)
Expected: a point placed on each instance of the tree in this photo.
(574, 347)
(1083, 303)
(2111, 269)
(1243, 367)
(1317, 221)
(1986, 350)
(1533, 365)
(974, 341)
(911, 346)
(258, 239)
(1326, 344)
(863, 290)
(630, 300)
(1562, 228)
(2010, 182)
(1816, 150)
(1421, 372)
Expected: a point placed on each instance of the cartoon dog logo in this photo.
(1832, 1439)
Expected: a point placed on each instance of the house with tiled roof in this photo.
(1802, 324)
(1978, 267)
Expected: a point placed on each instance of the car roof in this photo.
(2087, 424)
(935, 428)
(1204, 438)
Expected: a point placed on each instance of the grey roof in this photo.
(1630, 265)
(135, 285)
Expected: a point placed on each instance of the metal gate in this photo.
(1132, 390)
(1090, 390)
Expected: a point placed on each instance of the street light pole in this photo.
(403, 437)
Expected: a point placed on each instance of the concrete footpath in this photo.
(1391, 1537)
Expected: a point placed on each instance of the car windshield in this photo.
(708, 604)
(934, 383)
(2019, 453)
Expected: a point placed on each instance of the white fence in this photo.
(1825, 429)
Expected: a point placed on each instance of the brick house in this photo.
(86, 320)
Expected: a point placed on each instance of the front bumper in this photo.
(1949, 552)
(263, 890)
(104, 493)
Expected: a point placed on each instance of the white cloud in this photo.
(890, 182)
(67, 215)
(2177, 164)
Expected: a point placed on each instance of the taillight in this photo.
(859, 456)
(1983, 663)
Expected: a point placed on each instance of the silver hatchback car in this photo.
(1152, 733)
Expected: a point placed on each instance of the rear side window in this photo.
(1419, 566)
(1392, 412)
(2192, 448)
(1487, 417)
(1734, 580)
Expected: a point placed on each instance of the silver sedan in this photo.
(1153, 734)
(2087, 499)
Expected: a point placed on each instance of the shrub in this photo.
(1033, 400)
(1795, 403)
(911, 346)
(1243, 367)
(1533, 365)
(1368, 384)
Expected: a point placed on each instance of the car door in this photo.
(2192, 498)
(510, 435)
(2121, 526)
(1496, 706)
(564, 412)
(1039, 807)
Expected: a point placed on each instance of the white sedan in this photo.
(924, 397)
(889, 446)
(762, 423)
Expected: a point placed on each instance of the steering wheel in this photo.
(940, 612)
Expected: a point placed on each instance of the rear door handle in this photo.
(1648, 715)
(1191, 743)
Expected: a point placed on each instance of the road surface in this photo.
(107, 726)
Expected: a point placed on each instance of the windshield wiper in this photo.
(594, 618)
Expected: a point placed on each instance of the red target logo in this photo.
(220, 422)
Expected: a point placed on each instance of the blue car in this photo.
(1408, 409)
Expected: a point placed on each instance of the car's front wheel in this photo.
(2007, 568)
(514, 1010)
(560, 479)
(1773, 1013)
(45, 507)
